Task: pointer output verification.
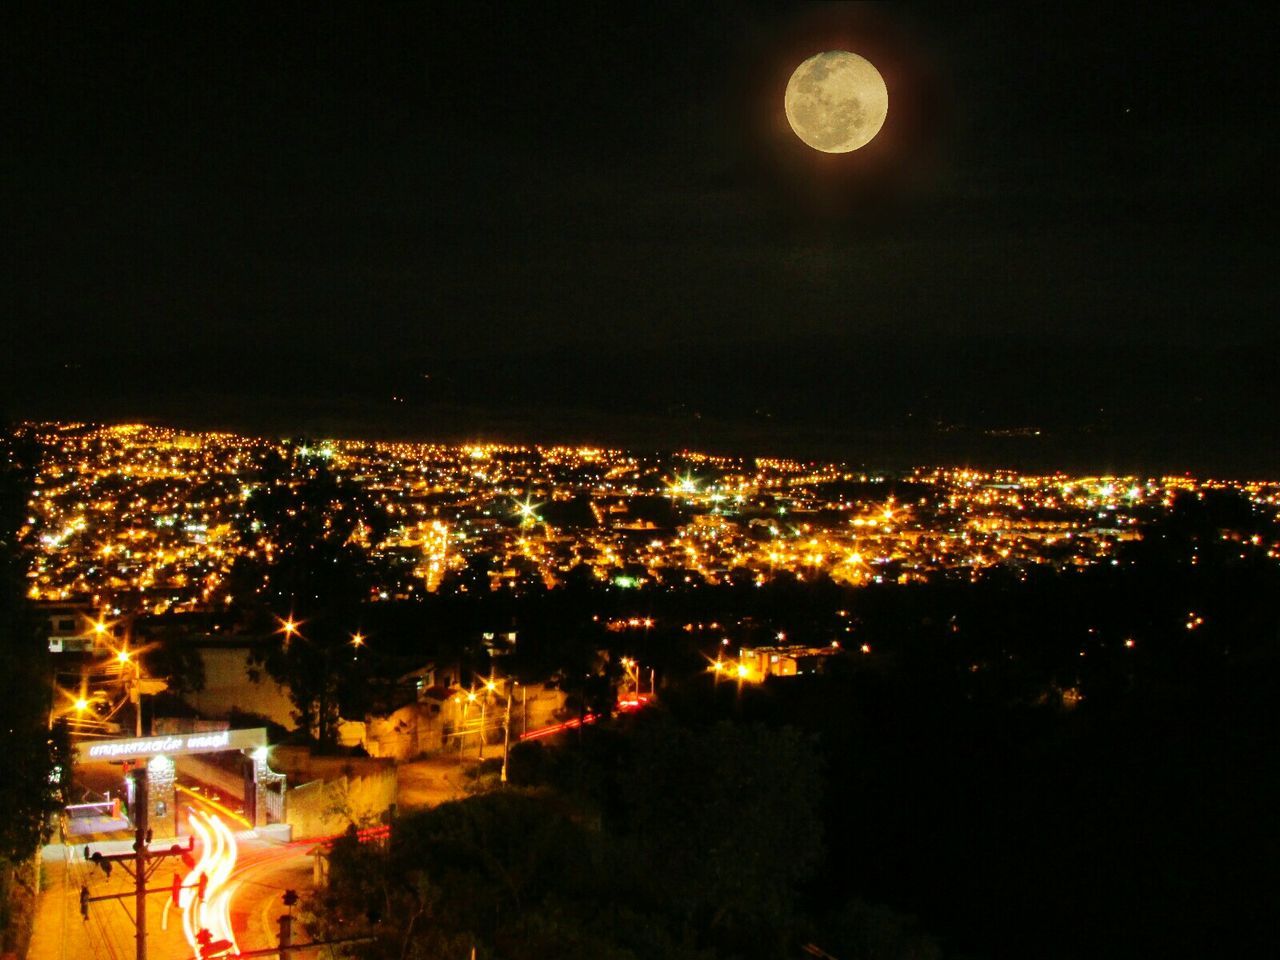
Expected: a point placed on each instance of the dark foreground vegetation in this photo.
(35, 757)
(1079, 765)
(1036, 764)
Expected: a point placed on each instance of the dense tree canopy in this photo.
(310, 567)
(35, 757)
(657, 840)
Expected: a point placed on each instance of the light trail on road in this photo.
(210, 802)
(211, 912)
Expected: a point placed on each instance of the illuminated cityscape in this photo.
(150, 519)
(639, 481)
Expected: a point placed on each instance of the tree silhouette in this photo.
(36, 759)
(312, 568)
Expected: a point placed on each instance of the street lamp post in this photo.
(489, 687)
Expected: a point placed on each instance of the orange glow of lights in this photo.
(289, 627)
(212, 912)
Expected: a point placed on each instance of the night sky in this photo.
(593, 222)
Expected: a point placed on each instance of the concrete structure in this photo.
(261, 789)
(70, 627)
(785, 661)
(332, 793)
(230, 683)
(447, 719)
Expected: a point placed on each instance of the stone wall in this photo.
(328, 794)
(325, 808)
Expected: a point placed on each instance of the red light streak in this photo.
(218, 854)
(363, 836)
(557, 728)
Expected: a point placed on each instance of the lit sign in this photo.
(208, 741)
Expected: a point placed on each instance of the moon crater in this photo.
(836, 101)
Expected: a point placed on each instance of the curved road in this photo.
(264, 870)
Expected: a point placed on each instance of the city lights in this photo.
(157, 518)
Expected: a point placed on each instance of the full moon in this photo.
(836, 101)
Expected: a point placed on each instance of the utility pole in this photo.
(136, 690)
(506, 732)
(286, 934)
(144, 862)
(140, 817)
(138, 686)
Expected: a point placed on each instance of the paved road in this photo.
(108, 934)
(258, 889)
(264, 871)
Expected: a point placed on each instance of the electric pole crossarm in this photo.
(127, 893)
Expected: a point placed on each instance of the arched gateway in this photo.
(264, 789)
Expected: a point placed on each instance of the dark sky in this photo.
(593, 221)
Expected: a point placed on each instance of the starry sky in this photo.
(593, 222)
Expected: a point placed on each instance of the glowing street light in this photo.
(527, 511)
(289, 627)
(357, 639)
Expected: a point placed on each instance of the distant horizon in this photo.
(991, 453)
(355, 220)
